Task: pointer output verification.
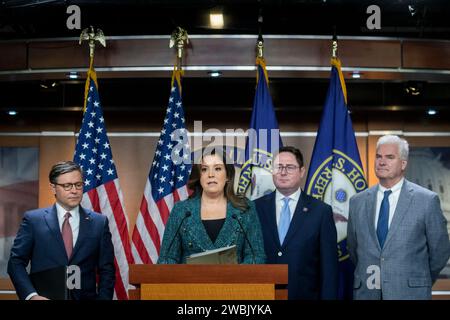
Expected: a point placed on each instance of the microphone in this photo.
(235, 217)
(187, 214)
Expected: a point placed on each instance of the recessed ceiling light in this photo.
(214, 74)
(72, 75)
(12, 112)
(216, 20)
(431, 112)
(356, 75)
(414, 88)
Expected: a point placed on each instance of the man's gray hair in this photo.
(402, 144)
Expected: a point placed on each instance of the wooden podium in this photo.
(208, 282)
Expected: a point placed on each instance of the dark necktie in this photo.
(67, 235)
(383, 219)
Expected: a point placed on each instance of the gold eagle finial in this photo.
(179, 38)
(91, 36)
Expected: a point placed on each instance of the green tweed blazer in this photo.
(192, 237)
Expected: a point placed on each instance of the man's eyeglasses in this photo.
(289, 169)
(69, 186)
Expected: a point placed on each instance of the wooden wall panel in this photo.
(353, 53)
(221, 52)
(288, 52)
(58, 54)
(13, 56)
(371, 147)
(52, 150)
(133, 157)
(215, 51)
(374, 54)
(19, 141)
(425, 54)
(135, 53)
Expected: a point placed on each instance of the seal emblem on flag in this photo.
(348, 179)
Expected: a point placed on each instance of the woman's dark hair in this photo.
(62, 168)
(237, 201)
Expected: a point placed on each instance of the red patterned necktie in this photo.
(67, 235)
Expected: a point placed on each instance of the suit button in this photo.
(190, 244)
(382, 259)
(280, 253)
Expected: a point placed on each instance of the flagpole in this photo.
(335, 62)
(336, 142)
(167, 180)
(334, 44)
(102, 193)
(91, 36)
(178, 40)
(263, 118)
(260, 58)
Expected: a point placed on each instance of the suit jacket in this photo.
(415, 251)
(309, 248)
(192, 237)
(39, 240)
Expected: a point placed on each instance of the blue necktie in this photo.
(285, 220)
(383, 219)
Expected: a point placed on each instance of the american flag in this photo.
(102, 191)
(166, 182)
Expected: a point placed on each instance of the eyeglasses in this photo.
(289, 169)
(69, 186)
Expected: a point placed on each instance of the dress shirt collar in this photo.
(295, 196)
(395, 188)
(75, 212)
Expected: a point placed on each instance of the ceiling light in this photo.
(216, 20)
(356, 75)
(215, 74)
(414, 91)
(72, 75)
(414, 88)
(431, 112)
(12, 112)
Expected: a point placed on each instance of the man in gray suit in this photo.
(397, 234)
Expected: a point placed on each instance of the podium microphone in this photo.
(235, 217)
(187, 214)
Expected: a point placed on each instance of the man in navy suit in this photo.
(62, 235)
(299, 230)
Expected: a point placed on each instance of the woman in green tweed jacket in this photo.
(209, 218)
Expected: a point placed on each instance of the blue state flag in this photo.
(262, 142)
(335, 173)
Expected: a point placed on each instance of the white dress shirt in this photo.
(393, 200)
(279, 203)
(74, 220)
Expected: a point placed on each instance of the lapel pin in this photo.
(305, 209)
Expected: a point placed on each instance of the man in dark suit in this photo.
(64, 234)
(299, 230)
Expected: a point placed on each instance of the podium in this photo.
(208, 282)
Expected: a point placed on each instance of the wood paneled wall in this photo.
(133, 155)
(387, 57)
